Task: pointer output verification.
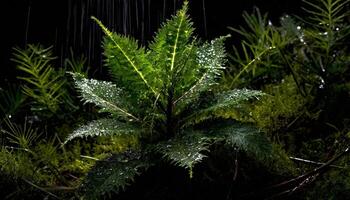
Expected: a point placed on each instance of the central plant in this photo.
(163, 95)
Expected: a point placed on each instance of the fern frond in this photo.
(126, 59)
(326, 32)
(44, 84)
(260, 43)
(328, 22)
(104, 127)
(211, 58)
(185, 151)
(180, 31)
(104, 94)
(326, 13)
(245, 137)
(113, 174)
(170, 42)
(221, 105)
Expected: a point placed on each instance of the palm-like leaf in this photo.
(245, 137)
(104, 94)
(185, 151)
(171, 41)
(104, 127)
(114, 173)
(43, 83)
(211, 58)
(127, 61)
(221, 104)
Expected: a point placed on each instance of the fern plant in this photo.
(43, 83)
(312, 49)
(164, 95)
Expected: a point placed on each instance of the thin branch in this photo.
(302, 179)
(40, 188)
(315, 162)
(245, 67)
(60, 188)
(314, 171)
(89, 157)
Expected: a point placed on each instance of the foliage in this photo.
(310, 49)
(43, 165)
(157, 97)
(11, 99)
(76, 64)
(258, 52)
(185, 151)
(43, 83)
(173, 104)
(281, 108)
(303, 63)
(113, 173)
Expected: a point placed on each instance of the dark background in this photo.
(66, 24)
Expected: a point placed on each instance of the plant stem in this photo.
(294, 74)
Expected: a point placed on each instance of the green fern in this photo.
(326, 31)
(315, 39)
(221, 103)
(163, 95)
(244, 137)
(113, 174)
(258, 48)
(43, 83)
(104, 127)
(185, 151)
(104, 94)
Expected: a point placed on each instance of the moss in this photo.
(281, 108)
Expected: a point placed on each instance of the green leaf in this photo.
(185, 151)
(127, 61)
(43, 83)
(222, 104)
(244, 137)
(211, 60)
(113, 174)
(104, 94)
(104, 127)
(171, 41)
